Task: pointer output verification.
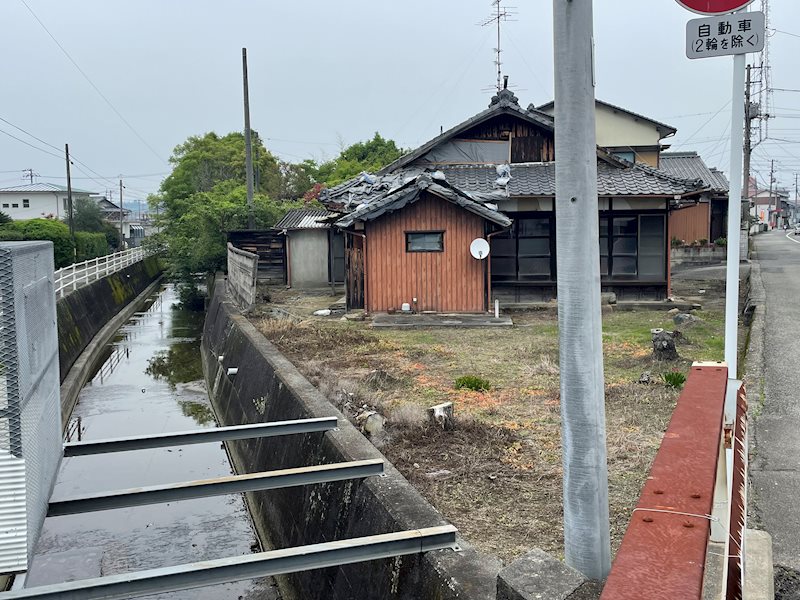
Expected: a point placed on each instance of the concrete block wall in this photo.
(267, 387)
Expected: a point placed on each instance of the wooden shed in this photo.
(412, 246)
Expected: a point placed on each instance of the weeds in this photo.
(473, 382)
(674, 379)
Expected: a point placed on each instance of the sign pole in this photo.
(734, 216)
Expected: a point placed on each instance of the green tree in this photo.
(86, 215)
(4, 218)
(201, 162)
(369, 156)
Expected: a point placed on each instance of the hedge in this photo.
(90, 245)
(47, 229)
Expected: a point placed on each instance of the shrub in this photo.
(46, 229)
(674, 379)
(4, 218)
(703, 241)
(90, 245)
(10, 235)
(472, 382)
(721, 241)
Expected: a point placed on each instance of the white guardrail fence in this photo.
(72, 277)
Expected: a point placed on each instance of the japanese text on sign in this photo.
(725, 35)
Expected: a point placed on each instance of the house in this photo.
(501, 160)
(705, 217)
(314, 249)
(111, 212)
(38, 200)
(626, 134)
(771, 206)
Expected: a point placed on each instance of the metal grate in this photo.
(30, 421)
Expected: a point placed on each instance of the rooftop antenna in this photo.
(499, 15)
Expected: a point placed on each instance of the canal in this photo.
(149, 380)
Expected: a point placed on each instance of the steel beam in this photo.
(264, 564)
(232, 484)
(199, 436)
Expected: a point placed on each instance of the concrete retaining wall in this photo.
(694, 256)
(267, 387)
(85, 311)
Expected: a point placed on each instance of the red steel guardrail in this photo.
(663, 553)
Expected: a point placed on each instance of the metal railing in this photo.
(72, 277)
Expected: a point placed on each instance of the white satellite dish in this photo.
(479, 248)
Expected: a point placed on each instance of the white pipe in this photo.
(496, 308)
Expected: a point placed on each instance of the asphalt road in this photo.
(775, 455)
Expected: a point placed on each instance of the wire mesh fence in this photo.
(30, 418)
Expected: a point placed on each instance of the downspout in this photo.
(363, 236)
(488, 268)
(57, 213)
(288, 258)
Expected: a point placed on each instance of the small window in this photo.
(14, 205)
(425, 241)
(629, 156)
(5, 204)
(65, 204)
(26, 203)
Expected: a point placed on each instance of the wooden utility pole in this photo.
(248, 148)
(587, 545)
(69, 198)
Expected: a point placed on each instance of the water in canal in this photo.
(148, 381)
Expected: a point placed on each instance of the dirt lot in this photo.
(497, 475)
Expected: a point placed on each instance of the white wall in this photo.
(41, 204)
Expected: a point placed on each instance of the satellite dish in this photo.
(479, 248)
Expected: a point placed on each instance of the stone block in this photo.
(539, 576)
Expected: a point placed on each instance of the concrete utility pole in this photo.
(583, 431)
(248, 148)
(748, 137)
(121, 236)
(69, 197)
(769, 206)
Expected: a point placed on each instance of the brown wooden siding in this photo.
(449, 281)
(528, 142)
(691, 223)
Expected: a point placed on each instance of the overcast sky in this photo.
(324, 73)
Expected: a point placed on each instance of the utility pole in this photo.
(769, 206)
(248, 149)
(69, 201)
(28, 174)
(583, 430)
(795, 197)
(255, 165)
(121, 236)
(748, 140)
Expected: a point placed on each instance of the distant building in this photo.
(38, 200)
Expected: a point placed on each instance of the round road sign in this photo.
(714, 7)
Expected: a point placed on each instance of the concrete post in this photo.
(586, 521)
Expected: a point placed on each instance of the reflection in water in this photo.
(200, 412)
(149, 382)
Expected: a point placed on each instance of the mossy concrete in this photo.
(84, 312)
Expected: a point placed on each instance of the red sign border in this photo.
(712, 14)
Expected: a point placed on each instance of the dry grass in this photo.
(503, 489)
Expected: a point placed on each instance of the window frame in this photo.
(26, 203)
(439, 232)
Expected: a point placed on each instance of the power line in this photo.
(29, 144)
(96, 89)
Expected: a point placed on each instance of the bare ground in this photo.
(497, 475)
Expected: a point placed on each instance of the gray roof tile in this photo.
(300, 218)
(689, 165)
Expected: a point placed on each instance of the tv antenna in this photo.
(500, 14)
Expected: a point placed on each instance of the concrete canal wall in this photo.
(89, 316)
(267, 387)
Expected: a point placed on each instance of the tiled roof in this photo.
(689, 165)
(527, 179)
(303, 219)
(41, 187)
(411, 191)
